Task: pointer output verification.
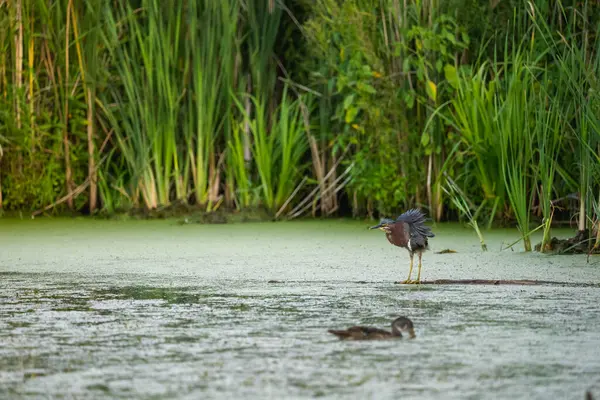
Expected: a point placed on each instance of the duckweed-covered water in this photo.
(140, 310)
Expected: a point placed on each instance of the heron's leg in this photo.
(419, 273)
(411, 267)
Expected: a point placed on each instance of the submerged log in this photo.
(523, 282)
(518, 282)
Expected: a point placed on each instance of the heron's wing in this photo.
(417, 239)
(416, 221)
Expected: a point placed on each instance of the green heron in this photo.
(399, 325)
(408, 231)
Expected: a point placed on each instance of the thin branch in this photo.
(289, 199)
(294, 213)
(73, 193)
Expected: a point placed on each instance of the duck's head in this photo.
(403, 324)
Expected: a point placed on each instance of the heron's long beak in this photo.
(377, 226)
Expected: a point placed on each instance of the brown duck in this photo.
(399, 325)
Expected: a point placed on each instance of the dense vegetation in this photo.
(483, 110)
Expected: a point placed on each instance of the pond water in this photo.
(153, 309)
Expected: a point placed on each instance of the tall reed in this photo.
(262, 20)
(212, 48)
(147, 102)
(517, 140)
(240, 174)
(474, 113)
(292, 144)
(548, 128)
(574, 49)
(459, 200)
(40, 102)
(88, 42)
(277, 150)
(263, 147)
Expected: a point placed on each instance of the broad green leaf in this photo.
(450, 37)
(431, 90)
(409, 99)
(365, 87)
(420, 75)
(438, 65)
(465, 37)
(348, 101)
(451, 75)
(425, 139)
(351, 114)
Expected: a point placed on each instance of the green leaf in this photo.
(341, 83)
(348, 101)
(365, 87)
(409, 99)
(465, 37)
(406, 65)
(425, 139)
(431, 90)
(450, 37)
(351, 114)
(439, 65)
(451, 75)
